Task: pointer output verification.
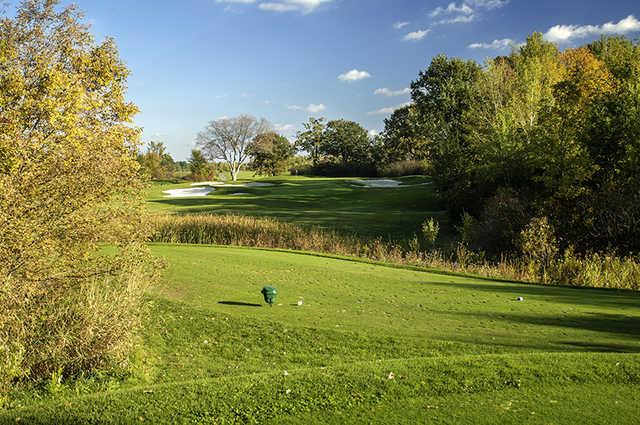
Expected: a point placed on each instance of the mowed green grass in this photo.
(329, 203)
(370, 344)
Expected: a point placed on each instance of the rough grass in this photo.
(210, 352)
(50, 329)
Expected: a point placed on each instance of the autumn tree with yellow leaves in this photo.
(69, 185)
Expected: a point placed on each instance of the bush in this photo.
(75, 325)
(539, 246)
(331, 169)
(430, 231)
(404, 168)
(207, 172)
(498, 228)
(67, 185)
(298, 164)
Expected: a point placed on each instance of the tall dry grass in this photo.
(600, 271)
(69, 326)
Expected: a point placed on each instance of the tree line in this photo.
(538, 136)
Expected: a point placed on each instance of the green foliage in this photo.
(539, 244)
(443, 95)
(404, 137)
(347, 142)
(311, 138)
(430, 231)
(156, 162)
(466, 229)
(404, 168)
(537, 133)
(497, 230)
(69, 181)
(337, 148)
(200, 168)
(298, 164)
(270, 153)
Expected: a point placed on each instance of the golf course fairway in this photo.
(369, 343)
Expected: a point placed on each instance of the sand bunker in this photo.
(208, 184)
(384, 184)
(188, 193)
(222, 184)
(378, 183)
(239, 194)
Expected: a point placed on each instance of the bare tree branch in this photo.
(227, 140)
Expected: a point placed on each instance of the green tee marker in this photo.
(269, 293)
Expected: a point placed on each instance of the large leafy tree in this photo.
(347, 142)
(68, 179)
(405, 136)
(270, 153)
(311, 139)
(444, 94)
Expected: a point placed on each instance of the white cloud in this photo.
(452, 8)
(464, 12)
(502, 44)
(416, 35)
(311, 108)
(373, 132)
(390, 93)
(400, 25)
(567, 33)
(303, 6)
(354, 75)
(389, 110)
(488, 4)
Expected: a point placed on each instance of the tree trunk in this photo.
(234, 173)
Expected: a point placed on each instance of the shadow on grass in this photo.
(538, 345)
(604, 323)
(598, 297)
(239, 304)
(601, 348)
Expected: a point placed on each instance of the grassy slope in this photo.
(325, 202)
(462, 350)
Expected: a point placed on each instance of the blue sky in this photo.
(197, 60)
